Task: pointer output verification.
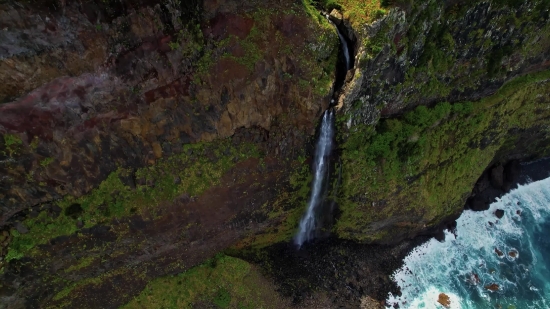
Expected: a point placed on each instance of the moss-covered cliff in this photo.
(417, 166)
(139, 139)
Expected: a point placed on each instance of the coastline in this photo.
(343, 272)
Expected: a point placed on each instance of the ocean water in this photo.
(511, 253)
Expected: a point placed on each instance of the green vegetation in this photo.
(12, 143)
(223, 281)
(443, 67)
(358, 12)
(46, 162)
(421, 166)
(82, 263)
(198, 168)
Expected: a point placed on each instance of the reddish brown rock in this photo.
(444, 300)
(492, 287)
(498, 252)
(103, 92)
(513, 254)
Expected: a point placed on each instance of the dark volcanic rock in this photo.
(499, 213)
(497, 176)
(345, 270)
(21, 228)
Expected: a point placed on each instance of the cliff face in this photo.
(416, 166)
(141, 138)
(426, 52)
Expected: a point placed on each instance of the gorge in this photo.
(164, 153)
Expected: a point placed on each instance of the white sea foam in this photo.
(464, 265)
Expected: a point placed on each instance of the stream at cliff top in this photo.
(510, 255)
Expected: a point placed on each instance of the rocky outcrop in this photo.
(509, 176)
(421, 119)
(437, 51)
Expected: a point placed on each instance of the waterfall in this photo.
(323, 149)
(345, 49)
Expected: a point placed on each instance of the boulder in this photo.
(499, 213)
(492, 287)
(444, 300)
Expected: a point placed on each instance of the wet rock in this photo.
(21, 228)
(499, 213)
(498, 252)
(444, 300)
(477, 204)
(513, 254)
(497, 176)
(492, 287)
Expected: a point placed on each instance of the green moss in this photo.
(224, 281)
(358, 12)
(82, 263)
(46, 162)
(421, 166)
(12, 143)
(199, 167)
(252, 50)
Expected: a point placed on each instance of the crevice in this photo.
(346, 54)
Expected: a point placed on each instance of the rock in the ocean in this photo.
(444, 300)
(499, 213)
(513, 254)
(492, 287)
(498, 252)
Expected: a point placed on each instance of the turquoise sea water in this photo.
(463, 266)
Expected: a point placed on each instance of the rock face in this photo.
(435, 51)
(104, 104)
(140, 138)
(87, 88)
(420, 148)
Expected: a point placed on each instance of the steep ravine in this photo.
(141, 139)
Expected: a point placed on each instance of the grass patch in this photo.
(223, 281)
(12, 143)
